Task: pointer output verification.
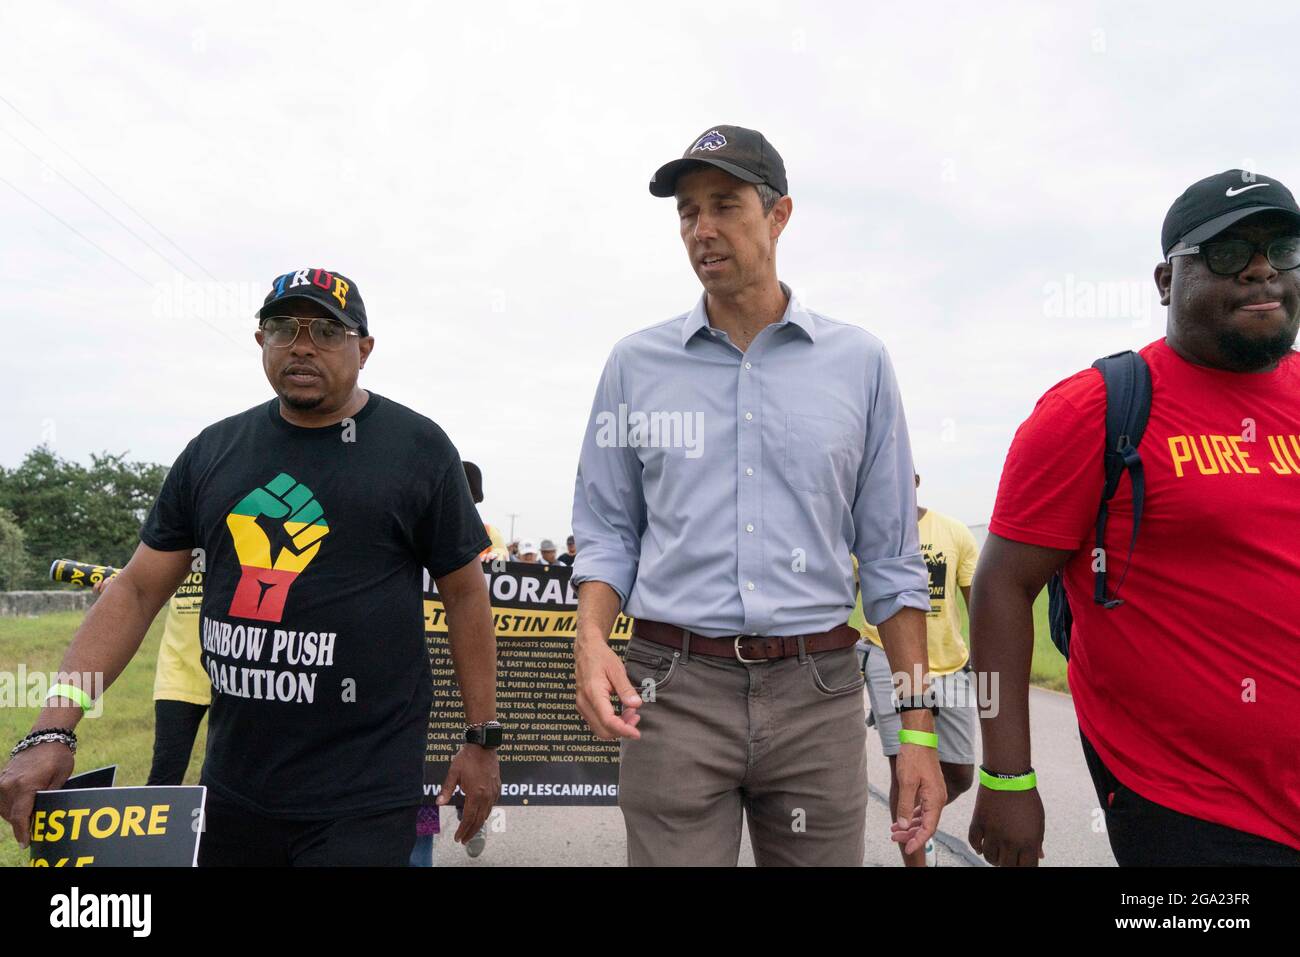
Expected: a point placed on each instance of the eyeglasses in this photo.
(1227, 257)
(328, 334)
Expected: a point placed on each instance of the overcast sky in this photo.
(981, 186)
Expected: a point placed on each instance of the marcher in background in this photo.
(1183, 650)
(497, 550)
(548, 551)
(950, 553)
(570, 553)
(428, 824)
(182, 690)
(729, 545)
(528, 552)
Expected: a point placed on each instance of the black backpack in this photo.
(1128, 405)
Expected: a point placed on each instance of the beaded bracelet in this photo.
(45, 735)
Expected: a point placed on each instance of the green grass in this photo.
(1047, 669)
(121, 735)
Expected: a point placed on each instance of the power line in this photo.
(67, 225)
(98, 205)
(110, 189)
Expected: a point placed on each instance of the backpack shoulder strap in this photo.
(1128, 407)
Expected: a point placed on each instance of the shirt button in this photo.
(749, 585)
(749, 527)
(749, 471)
(748, 366)
(748, 416)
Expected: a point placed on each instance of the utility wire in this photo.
(67, 225)
(110, 189)
(99, 205)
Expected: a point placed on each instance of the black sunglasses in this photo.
(1227, 257)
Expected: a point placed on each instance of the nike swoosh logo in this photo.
(1234, 192)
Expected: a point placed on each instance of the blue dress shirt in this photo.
(723, 491)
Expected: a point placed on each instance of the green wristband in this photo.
(1021, 782)
(72, 693)
(926, 738)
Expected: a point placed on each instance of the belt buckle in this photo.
(742, 659)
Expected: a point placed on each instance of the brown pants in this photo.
(784, 742)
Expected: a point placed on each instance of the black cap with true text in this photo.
(333, 290)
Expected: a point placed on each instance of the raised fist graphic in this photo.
(277, 531)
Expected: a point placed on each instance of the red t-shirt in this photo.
(1190, 690)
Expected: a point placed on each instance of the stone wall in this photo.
(26, 604)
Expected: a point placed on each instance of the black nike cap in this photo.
(1211, 205)
(745, 154)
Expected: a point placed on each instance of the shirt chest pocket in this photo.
(821, 454)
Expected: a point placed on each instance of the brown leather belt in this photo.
(745, 648)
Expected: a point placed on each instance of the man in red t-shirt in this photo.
(1187, 693)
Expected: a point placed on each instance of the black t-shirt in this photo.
(313, 622)
(565, 558)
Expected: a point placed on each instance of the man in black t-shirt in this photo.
(314, 516)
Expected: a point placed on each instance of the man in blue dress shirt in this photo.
(736, 457)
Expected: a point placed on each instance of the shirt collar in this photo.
(795, 314)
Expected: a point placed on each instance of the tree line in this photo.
(53, 508)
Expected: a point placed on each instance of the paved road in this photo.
(1068, 797)
(593, 837)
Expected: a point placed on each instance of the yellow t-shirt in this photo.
(498, 547)
(180, 675)
(950, 553)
